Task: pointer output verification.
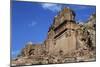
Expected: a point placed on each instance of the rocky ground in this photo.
(81, 55)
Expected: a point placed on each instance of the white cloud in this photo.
(32, 24)
(15, 53)
(51, 7)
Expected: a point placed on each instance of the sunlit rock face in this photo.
(67, 41)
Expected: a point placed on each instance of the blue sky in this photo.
(31, 20)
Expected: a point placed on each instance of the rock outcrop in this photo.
(67, 41)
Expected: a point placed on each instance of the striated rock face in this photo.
(66, 42)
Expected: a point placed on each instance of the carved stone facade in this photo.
(62, 34)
